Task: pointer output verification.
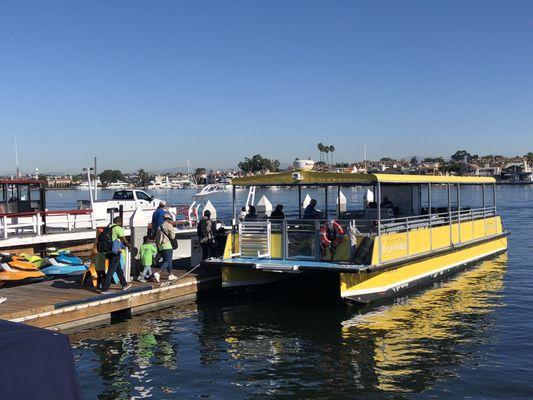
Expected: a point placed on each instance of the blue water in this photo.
(467, 337)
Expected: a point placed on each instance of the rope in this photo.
(187, 273)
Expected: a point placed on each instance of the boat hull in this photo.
(238, 277)
(369, 286)
(379, 285)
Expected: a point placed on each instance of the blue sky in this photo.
(150, 84)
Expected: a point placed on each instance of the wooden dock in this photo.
(61, 304)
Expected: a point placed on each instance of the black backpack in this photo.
(104, 243)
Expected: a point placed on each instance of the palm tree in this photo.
(320, 149)
(331, 150)
(326, 150)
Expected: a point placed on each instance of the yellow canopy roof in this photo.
(342, 178)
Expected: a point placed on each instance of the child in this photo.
(147, 253)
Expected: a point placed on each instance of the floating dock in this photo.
(60, 304)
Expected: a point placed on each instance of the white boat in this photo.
(118, 185)
(303, 165)
(85, 185)
(213, 188)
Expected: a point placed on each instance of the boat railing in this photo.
(302, 239)
(429, 221)
(402, 224)
(299, 239)
(40, 222)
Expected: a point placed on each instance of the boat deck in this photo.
(63, 304)
(268, 264)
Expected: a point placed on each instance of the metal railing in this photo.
(36, 222)
(430, 221)
(300, 238)
(255, 239)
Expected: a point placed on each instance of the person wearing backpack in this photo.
(165, 240)
(118, 242)
(206, 234)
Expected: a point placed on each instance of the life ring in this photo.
(329, 240)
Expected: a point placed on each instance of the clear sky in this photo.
(150, 84)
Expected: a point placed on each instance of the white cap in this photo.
(162, 203)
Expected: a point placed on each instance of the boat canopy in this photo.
(314, 178)
(22, 182)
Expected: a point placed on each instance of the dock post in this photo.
(139, 229)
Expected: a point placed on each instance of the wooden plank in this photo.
(48, 303)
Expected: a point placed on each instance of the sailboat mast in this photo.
(17, 157)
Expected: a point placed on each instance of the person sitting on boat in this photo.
(278, 212)
(252, 214)
(386, 203)
(310, 211)
(158, 216)
(206, 234)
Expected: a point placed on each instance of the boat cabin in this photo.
(387, 218)
(21, 196)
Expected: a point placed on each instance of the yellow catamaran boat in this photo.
(410, 230)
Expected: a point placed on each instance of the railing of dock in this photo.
(40, 222)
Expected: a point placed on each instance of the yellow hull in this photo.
(239, 277)
(366, 287)
(400, 260)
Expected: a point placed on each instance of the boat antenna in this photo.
(95, 181)
(192, 178)
(17, 157)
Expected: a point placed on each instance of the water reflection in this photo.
(245, 347)
(420, 339)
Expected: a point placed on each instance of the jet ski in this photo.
(16, 270)
(58, 263)
(64, 256)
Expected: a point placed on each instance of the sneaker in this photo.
(172, 277)
(157, 276)
(104, 292)
(140, 278)
(126, 287)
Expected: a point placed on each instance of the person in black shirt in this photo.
(206, 233)
(252, 215)
(310, 211)
(278, 212)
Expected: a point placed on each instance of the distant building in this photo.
(517, 172)
(59, 181)
(489, 169)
